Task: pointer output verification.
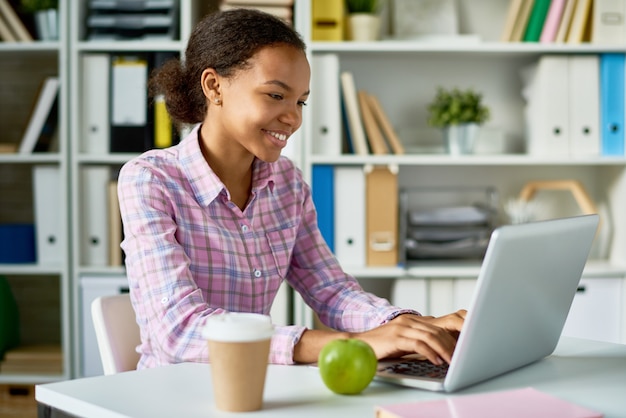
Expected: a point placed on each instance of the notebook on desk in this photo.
(524, 291)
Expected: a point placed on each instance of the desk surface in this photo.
(589, 373)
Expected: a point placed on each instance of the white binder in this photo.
(584, 105)
(350, 216)
(94, 128)
(608, 22)
(326, 105)
(549, 123)
(50, 239)
(94, 240)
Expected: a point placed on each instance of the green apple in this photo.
(347, 366)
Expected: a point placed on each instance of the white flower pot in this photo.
(46, 23)
(363, 27)
(460, 139)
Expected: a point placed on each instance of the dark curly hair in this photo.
(225, 41)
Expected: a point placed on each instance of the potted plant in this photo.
(363, 20)
(459, 113)
(45, 14)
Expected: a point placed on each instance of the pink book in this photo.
(553, 19)
(516, 403)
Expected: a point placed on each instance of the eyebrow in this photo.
(285, 86)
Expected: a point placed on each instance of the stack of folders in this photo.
(279, 8)
(132, 19)
(447, 230)
(575, 105)
(118, 114)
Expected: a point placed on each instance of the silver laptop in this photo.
(525, 288)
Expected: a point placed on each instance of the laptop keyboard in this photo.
(420, 368)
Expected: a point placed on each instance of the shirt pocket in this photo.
(281, 244)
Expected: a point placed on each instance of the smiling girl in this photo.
(219, 221)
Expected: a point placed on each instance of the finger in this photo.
(436, 343)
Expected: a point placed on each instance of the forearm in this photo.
(312, 341)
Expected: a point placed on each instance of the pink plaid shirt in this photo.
(191, 253)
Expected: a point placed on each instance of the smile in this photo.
(280, 137)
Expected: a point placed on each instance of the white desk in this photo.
(589, 373)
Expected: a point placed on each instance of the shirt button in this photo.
(164, 300)
(244, 228)
(257, 273)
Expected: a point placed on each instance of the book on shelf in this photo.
(387, 128)
(13, 22)
(513, 403)
(536, 20)
(553, 19)
(43, 121)
(566, 21)
(374, 135)
(580, 27)
(6, 35)
(353, 112)
(512, 14)
(522, 21)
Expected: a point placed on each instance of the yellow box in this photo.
(328, 20)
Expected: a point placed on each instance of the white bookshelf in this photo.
(404, 76)
(42, 290)
(79, 45)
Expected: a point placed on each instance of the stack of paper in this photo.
(282, 9)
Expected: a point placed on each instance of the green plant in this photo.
(456, 107)
(363, 6)
(31, 6)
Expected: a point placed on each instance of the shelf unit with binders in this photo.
(34, 214)
(113, 122)
(404, 75)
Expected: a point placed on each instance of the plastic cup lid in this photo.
(238, 327)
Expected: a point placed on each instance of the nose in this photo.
(292, 116)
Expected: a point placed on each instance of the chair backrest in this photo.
(117, 332)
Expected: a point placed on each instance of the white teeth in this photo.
(281, 137)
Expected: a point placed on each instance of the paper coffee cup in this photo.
(239, 346)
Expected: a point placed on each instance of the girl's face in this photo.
(262, 105)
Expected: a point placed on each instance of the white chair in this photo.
(117, 333)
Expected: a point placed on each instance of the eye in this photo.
(301, 103)
(275, 96)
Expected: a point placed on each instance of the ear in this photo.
(210, 82)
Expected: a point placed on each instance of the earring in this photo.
(217, 101)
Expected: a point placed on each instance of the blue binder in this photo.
(612, 103)
(323, 193)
